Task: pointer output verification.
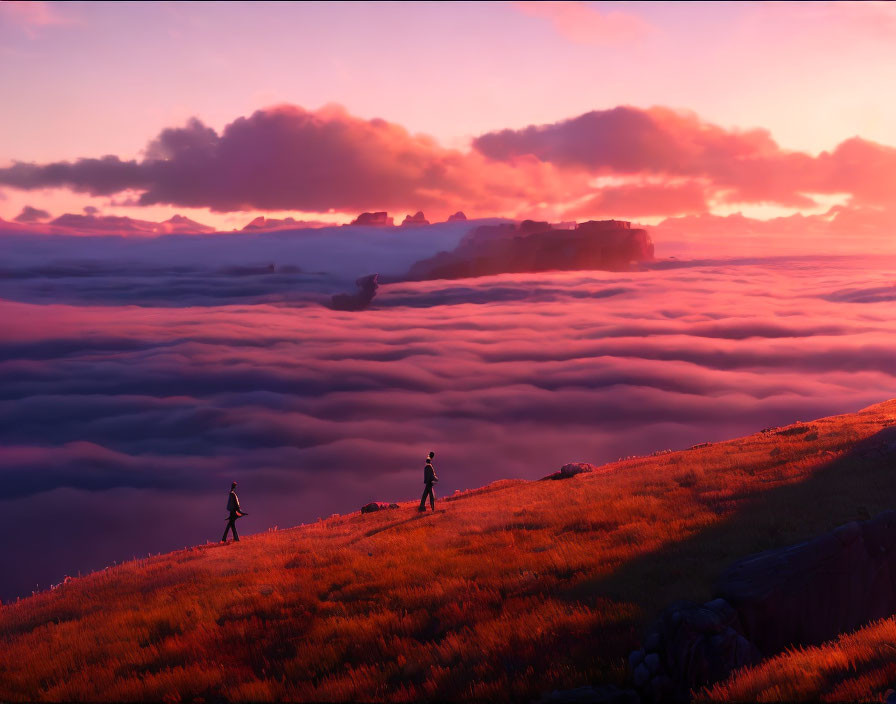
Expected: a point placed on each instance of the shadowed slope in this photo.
(504, 593)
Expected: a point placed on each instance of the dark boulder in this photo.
(458, 216)
(375, 506)
(570, 470)
(689, 646)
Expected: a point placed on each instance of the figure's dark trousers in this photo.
(432, 498)
(231, 525)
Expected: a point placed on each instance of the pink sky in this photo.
(773, 94)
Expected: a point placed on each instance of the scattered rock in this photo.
(570, 470)
(795, 430)
(374, 506)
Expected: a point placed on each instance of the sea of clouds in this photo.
(139, 377)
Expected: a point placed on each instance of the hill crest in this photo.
(506, 592)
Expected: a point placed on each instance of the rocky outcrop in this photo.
(262, 224)
(457, 217)
(811, 592)
(415, 220)
(536, 246)
(378, 219)
(116, 224)
(367, 286)
(800, 595)
(530, 227)
(256, 224)
(689, 646)
(570, 470)
(375, 506)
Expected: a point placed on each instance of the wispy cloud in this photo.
(33, 16)
(583, 23)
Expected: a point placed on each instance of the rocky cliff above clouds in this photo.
(537, 246)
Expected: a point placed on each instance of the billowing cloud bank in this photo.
(286, 157)
(183, 270)
(121, 427)
(658, 161)
(694, 156)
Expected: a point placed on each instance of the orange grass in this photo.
(857, 667)
(502, 594)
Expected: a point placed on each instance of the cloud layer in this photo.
(315, 411)
(649, 162)
(697, 157)
(286, 157)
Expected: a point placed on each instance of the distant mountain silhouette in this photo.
(416, 219)
(117, 224)
(378, 219)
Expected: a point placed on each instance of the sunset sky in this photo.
(640, 110)
(757, 143)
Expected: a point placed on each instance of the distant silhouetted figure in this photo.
(429, 478)
(233, 505)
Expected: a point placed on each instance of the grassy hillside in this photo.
(857, 667)
(505, 592)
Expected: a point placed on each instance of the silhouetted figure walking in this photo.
(429, 478)
(233, 505)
